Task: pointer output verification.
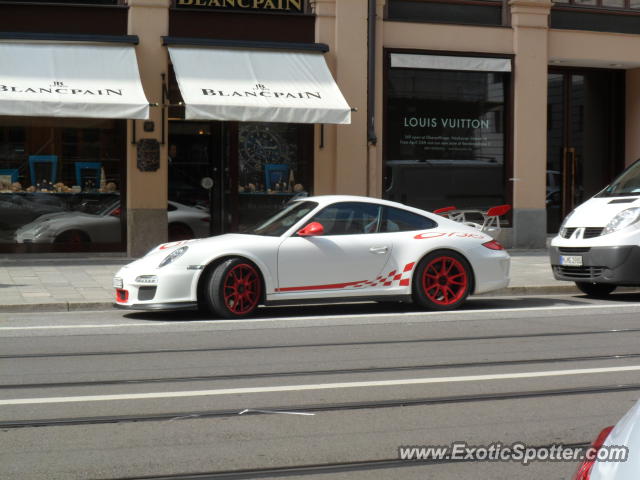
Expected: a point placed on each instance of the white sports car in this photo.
(319, 248)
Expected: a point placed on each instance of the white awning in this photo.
(258, 86)
(444, 62)
(70, 80)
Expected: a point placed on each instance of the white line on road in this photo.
(319, 386)
(195, 323)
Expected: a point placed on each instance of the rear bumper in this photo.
(619, 265)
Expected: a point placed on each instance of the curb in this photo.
(108, 305)
(56, 307)
(531, 290)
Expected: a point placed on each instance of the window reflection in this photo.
(445, 138)
(57, 169)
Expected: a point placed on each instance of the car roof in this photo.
(330, 199)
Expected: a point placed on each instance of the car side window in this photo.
(397, 220)
(349, 218)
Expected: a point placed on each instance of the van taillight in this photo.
(584, 470)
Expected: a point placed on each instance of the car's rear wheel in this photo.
(597, 290)
(442, 280)
(234, 288)
(72, 236)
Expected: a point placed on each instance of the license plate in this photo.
(117, 282)
(571, 260)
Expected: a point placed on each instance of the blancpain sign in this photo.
(59, 88)
(262, 91)
(70, 80)
(258, 86)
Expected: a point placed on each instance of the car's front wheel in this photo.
(72, 236)
(234, 288)
(442, 280)
(597, 290)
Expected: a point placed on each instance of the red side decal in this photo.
(380, 281)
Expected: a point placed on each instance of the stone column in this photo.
(324, 148)
(376, 165)
(147, 191)
(529, 19)
(632, 117)
(343, 26)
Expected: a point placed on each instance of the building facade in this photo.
(472, 103)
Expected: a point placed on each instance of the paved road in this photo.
(314, 389)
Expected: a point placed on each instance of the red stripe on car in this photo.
(320, 287)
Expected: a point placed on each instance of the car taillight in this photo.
(205, 219)
(584, 470)
(493, 245)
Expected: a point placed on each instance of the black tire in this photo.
(179, 231)
(597, 290)
(442, 281)
(73, 236)
(233, 289)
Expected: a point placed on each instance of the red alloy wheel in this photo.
(241, 289)
(445, 280)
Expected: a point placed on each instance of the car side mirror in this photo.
(311, 230)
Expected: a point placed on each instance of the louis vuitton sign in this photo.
(281, 6)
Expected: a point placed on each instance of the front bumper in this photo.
(619, 265)
(145, 287)
(31, 238)
(158, 306)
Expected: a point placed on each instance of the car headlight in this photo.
(564, 222)
(177, 253)
(40, 229)
(622, 220)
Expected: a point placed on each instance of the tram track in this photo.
(302, 373)
(322, 345)
(316, 408)
(320, 469)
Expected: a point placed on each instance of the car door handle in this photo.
(379, 250)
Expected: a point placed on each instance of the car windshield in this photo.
(627, 184)
(283, 220)
(94, 207)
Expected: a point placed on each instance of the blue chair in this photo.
(14, 173)
(275, 173)
(52, 160)
(88, 171)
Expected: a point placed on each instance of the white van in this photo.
(598, 246)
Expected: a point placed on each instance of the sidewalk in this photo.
(39, 283)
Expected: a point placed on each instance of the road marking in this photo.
(318, 386)
(283, 412)
(249, 321)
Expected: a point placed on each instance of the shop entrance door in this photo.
(201, 172)
(241, 173)
(584, 138)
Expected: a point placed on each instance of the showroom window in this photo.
(60, 184)
(445, 130)
(624, 4)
